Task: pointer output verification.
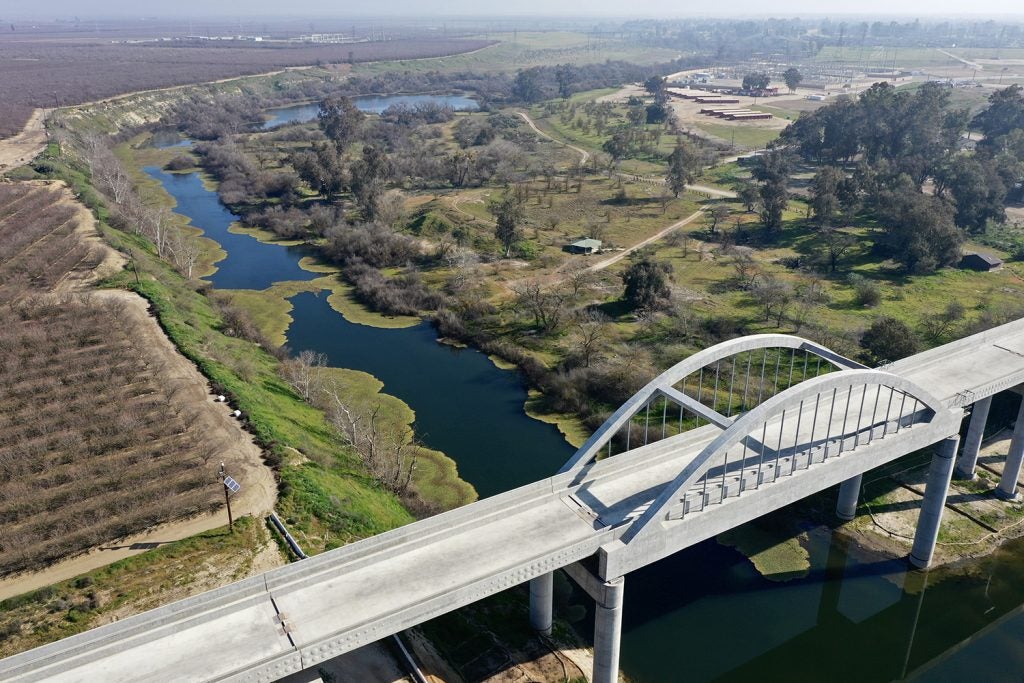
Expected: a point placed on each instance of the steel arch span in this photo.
(663, 387)
(828, 417)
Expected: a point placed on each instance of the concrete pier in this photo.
(968, 460)
(1007, 489)
(940, 472)
(608, 632)
(849, 492)
(541, 603)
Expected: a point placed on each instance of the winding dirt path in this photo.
(584, 154)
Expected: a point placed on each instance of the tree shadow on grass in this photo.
(616, 310)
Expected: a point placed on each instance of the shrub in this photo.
(865, 292)
(377, 246)
(403, 295)
(181, 162)
(889, 339)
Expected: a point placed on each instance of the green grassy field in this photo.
(882, 57)
(526, 49)
(907, 297)
(581, 132)
(745, 137)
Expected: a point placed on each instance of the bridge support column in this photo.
(849, 492)
(608, 632)
(940, 472)
(541, 602)
(972, 443)
(1007, 489)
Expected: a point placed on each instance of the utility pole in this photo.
(227, 496)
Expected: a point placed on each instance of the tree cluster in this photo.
(910, 170)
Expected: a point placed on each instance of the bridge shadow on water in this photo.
(854, 616)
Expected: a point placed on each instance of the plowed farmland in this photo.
(94, 442)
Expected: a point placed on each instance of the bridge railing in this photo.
(826, 417)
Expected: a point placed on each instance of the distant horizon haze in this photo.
(421, 9)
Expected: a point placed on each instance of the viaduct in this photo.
(725, 436)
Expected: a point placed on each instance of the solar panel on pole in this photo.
(231, 485)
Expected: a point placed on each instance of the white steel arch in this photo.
(663, 385)
(933, 413)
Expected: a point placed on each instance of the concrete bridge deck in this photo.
(291, 618)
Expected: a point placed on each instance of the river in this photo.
(704, 614)
(465, 406)
(370, 104)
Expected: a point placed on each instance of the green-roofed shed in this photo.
(585, 246)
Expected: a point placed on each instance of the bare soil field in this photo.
(45, 72)
(107, 431)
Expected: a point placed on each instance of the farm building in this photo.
(982, 262)
(584, 246)
(747, 116)
(716, 100)
(715, 111)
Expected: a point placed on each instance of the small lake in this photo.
(168, 138)
(704, 614)
(371, 104)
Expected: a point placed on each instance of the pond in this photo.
(371, 104)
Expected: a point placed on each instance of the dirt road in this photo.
(584, 154)
(965, 62)
(26, 145)
(604, 263)
(705, 189)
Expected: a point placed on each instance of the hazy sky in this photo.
(618, 8)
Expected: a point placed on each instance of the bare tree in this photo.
(579, 278)
(391, 208)
(746, 268)
(810, 296)
(185, 251)
(717, 214)
(589, 336)
(836, 243)
(304, 374)
(388, 453)
(545, 303)
(774, 296)
(156, 224)
(463, 265)
(937, 326)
